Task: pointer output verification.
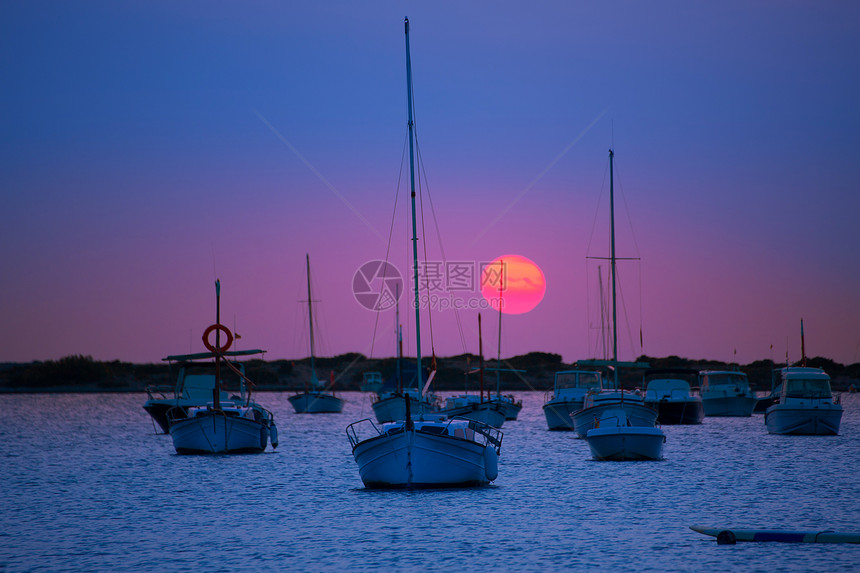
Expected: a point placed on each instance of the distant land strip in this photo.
(83, 374)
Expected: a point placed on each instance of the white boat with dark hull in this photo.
(726, 393)
(614, 439)
(568, 395)
(230, 427)
(668, 391)
(316, 399)
(427, 451)
(195, 384)
(805, 406)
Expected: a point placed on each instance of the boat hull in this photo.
(218, 433)
(417, 459)
(626, 443)
(671, 412)
(558, 414)
(729, 406)
(316, 403)
(487, 412)
(821, 420)
(509, 408)
(637, 415)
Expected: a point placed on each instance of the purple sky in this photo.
(147, 149)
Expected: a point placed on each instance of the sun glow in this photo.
(523, 284)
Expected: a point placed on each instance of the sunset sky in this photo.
(147, 149)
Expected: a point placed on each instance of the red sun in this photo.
(522, 284)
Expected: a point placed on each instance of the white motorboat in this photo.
(568, 395)
(427, 451)
(668, 392)
(218, 427)
(597, 403)
(316, 399)
(805, 405)
(726, 393)
(371, 382)
(614, 439)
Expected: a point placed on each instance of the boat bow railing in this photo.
(474, 431)
(362, 430)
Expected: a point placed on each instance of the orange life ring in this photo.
(223, 329)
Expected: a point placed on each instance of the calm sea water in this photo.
(88, 486)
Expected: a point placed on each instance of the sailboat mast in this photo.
(420, 380)
(612, 265)
(802, 346)
(499, 345)
(481, 354)
(602, 311)
(398, 336)
(311, 320)
(216, 398)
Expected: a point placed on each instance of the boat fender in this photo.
(491, 463)
(726, 537)
(263, 438)
(273, 435)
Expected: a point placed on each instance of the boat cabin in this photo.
(667, 389)
(804, 383)
(711, 379)
(571, 380)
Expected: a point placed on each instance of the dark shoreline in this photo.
(82, 374)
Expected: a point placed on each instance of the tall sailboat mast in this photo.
(612, 266)
(216, 398)
(311, 321)
(420, 381)
(499, 345)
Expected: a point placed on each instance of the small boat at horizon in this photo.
(317, 399)
(670, 394)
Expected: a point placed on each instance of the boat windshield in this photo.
(805, 388)
(577, 380)
(726, 379)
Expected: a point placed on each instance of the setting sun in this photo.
(522, 284)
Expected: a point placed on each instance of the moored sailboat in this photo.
(315, 399)
(426, 451)
(615, 398)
